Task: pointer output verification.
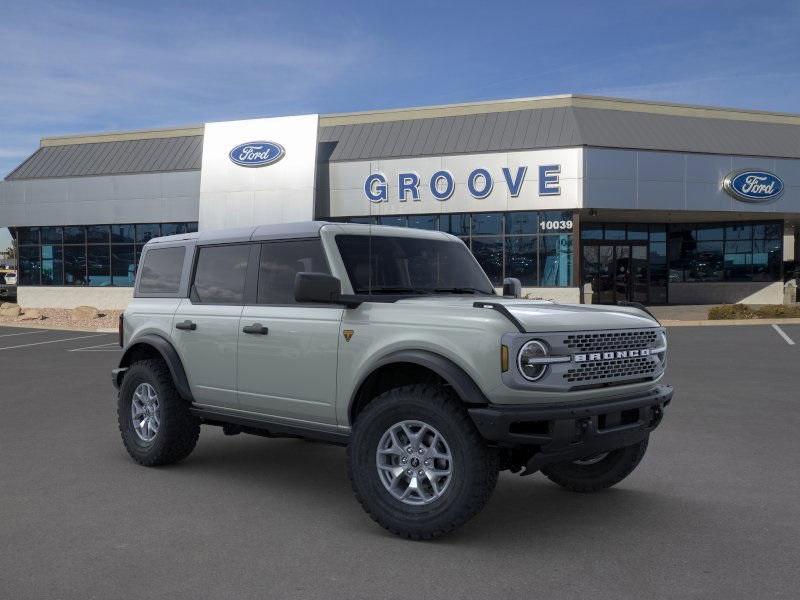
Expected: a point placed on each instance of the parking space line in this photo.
(98, 348)
(782, 333)
(2, 335)
(82, 337)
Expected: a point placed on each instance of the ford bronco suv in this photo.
(394, 343)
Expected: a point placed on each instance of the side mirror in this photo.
(512, 287)
(317, 287)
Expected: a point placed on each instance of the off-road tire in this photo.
(475, 466)
(595, 477)
(178, 429)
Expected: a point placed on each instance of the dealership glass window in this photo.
(429, 222)
(74, 235)
(489, 252)
(122, 234)
(364, 220)
(394, 221)
(52, 265)
(52, 235)
(487, 224)
(742, 251)
(457, 224)
(27, 235)
(147, 231)
(176, 228)
(29, 264)
(98, 259)
(521, 259)
(94, 255)
(123, 265)
(97, 234)
(522, 223)
(75, 265)
(555, 260)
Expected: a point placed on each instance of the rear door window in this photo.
(161, 270)
(220, 274)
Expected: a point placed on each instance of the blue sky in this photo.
(74, 67)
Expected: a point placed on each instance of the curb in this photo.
(729, 322)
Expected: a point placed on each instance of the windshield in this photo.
(407, 265)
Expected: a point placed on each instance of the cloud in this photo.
(69, 68)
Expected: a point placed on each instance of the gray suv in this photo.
(394, 343)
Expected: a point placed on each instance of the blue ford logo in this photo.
(753, 186)
(257, 154)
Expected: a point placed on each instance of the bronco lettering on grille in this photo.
(593, 356)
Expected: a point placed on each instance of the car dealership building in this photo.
(581, 198)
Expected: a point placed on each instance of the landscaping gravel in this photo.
(62, 318)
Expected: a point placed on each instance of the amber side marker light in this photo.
(504, 358)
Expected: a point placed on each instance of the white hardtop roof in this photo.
(302, 229)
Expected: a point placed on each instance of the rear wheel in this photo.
(156, 425)
(598, 472)
(417, 464)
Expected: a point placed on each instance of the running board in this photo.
(268, 428)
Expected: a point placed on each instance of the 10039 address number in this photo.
(556, 225)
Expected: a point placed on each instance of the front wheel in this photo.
(417, 464)
(595, 473)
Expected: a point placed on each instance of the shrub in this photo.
(731, 311)
(746, 311)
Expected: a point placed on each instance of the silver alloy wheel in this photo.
(590, 460)
(145, 412)
(414, 462)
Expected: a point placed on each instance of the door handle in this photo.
(256, 328)
(186, 325)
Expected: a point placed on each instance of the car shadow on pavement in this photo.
(314, 476)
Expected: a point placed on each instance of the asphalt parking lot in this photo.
(712, 512)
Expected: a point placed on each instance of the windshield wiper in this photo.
(394, 290)
(462, 290)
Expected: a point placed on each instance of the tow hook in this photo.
(581, 427)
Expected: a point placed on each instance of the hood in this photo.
(541, 315)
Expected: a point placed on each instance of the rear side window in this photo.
(161, 270)
(281, 262)
(220, 274)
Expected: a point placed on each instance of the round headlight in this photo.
(528, 360)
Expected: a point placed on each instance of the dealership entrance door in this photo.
(616, 270)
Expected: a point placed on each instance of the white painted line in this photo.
(98, 346)
(782, 333)
(83, 337)
(97, 350)
(25, 333)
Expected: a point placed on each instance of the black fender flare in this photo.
(453, 375)
(168, 354)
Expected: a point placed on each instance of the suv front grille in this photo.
(612, 340)
(616, 369)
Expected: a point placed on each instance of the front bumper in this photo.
(559, 433)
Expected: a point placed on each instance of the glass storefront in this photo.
(91, 255)
(635, 262)
(536, 247)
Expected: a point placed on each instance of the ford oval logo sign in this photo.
(753, 186)
(257, 154)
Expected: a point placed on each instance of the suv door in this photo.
(206, 325)
(287, 351)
